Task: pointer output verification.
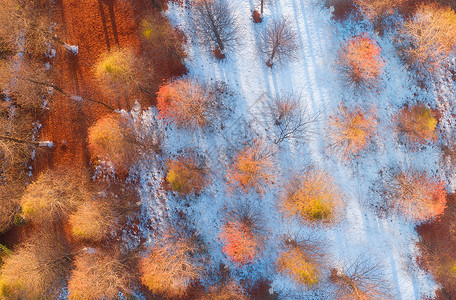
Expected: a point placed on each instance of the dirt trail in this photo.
(95, 26)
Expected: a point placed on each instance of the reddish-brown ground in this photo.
(95, 26)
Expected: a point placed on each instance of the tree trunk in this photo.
(261, 8)
(270, 62)
(63, 92)
(35, 143)
(214, 28)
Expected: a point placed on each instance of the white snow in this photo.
(389, 242)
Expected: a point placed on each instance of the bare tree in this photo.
(279, 41)
(29, 24)
(291, 118)
(98, 275)
(54, 195)
(361, 280)
(429, 37)
(37, 268)
(215, 25)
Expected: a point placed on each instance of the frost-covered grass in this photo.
(388, 241)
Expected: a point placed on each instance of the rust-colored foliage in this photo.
(253, 168)
(352, 131)
(169, 268)
(313, 196)
(300, 262)
(416, 125)
(186, 174)
(415, 194)
(186, 102)
(97, 276)
(429, 37)
(361, 62)
(239, 243)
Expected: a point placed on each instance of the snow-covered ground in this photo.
(388, 241)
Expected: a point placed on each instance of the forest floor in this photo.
(95, 26)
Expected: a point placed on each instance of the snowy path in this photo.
(388, 242)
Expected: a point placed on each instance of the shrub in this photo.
(186, 174)
(429, 37)
(97, 276)
(169, 268)
(313, 196)
(188, 103)
(360, 61)
(377, 11)
(92, 221)
(54, 195)
(351, 131)
(300, 261)
(36, 269)
(253, 168)
(414, 194)
(111, 138)
(123, 73)
(416, 125)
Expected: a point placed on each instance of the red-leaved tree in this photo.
(360, 61)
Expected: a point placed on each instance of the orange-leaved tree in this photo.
(187, 174)
(301, 261)
(253, 168)
(313, 196)
(97, 275)
(188, 103)
(416, 125)
(361, 62)
(92, 220)
(170, 267)
(413, 193)
(351, 130)
(429, 37)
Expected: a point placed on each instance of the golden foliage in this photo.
(351, 131)
(36, 269)
(54, 195)
(111, 138)
(299, 262)
(169, 268)
(431, 36)
(97, 276)
(416, 125)
(253, 168)
(92, 221)
(313, 196)
(186, 174)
